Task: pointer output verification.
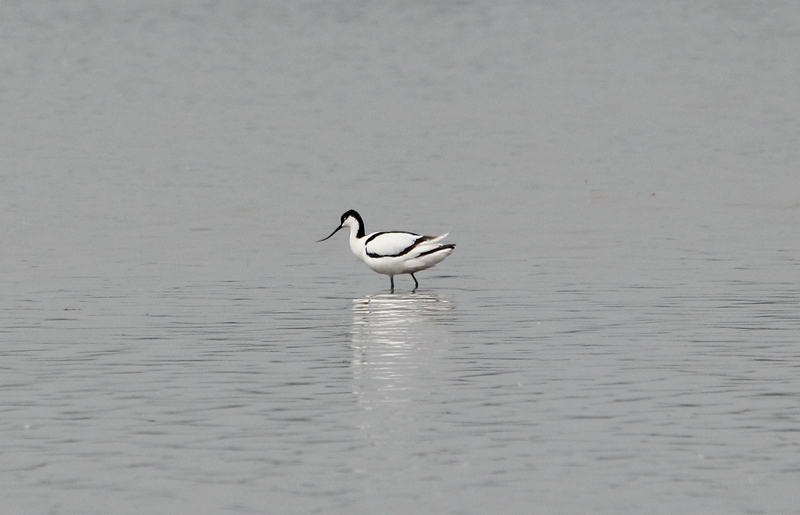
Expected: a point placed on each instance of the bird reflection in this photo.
(397, 344)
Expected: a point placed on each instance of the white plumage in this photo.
(396, 252)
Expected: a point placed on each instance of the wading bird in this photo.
(396, 252)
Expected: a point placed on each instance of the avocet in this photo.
(396, 252)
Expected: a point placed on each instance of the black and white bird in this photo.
(396, 252)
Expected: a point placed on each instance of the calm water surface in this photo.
(618, 330)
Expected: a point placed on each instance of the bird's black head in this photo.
(354, 214)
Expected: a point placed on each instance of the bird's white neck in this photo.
(356, 243)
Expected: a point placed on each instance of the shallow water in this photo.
(616, 332)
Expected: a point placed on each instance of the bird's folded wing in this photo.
(393, 244)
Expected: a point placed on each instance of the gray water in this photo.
(618, 330)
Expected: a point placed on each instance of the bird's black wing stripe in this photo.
(373, 237)
(437, 249)
(403, 252)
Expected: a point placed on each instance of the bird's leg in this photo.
(416, 284)
(391, 282)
